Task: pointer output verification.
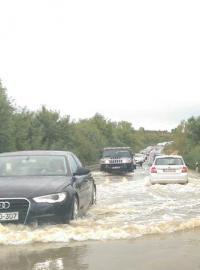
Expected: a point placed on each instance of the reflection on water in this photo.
(50, 264)
(42, 257)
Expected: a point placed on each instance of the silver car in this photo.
(139, 158)
(168, 169)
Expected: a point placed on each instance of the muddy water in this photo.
(128, 209)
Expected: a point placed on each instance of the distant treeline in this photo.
(21, 129)
(187, 141)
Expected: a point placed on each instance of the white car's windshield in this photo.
(139, 155)
(169, 161)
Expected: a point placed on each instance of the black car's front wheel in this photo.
(73, 212)
(93, 198)
(131, 168)
(75, 208)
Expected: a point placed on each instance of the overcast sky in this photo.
(137, 61)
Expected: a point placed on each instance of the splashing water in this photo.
(127, 208)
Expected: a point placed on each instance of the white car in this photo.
(168, 169)
(139, 158)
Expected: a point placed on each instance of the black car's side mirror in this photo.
(81, 171)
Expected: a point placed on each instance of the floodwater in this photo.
(131, 217)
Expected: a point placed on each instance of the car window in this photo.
(32, 165)
(169, 161)
(79, 164)
(116, 153)
(139, 155)
(72, 163)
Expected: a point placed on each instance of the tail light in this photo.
(184, 169)
(153, 170)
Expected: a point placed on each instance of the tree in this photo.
(6, 121)
(47, 122)
(22, 129)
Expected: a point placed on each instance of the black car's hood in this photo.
(32, 186)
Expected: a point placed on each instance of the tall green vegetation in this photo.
(21, 129)
(6, 123)
(187, 140)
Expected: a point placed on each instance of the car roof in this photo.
(36, 152)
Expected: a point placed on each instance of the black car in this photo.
(117, 159)
(43, 187)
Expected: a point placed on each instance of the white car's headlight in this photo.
(52, 198)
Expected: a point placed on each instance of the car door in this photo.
(80, 182)
(88, 183)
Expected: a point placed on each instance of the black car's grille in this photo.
(16, 205)
(115, 160)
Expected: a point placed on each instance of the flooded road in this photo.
(131, 217)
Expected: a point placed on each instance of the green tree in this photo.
(22, 125)
(47, 122)
(6, 121)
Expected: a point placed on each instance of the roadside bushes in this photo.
(192, 157)
(21, 129)
(187, 140)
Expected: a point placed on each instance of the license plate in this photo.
(9, 216)
(169, 170)
(116, 167)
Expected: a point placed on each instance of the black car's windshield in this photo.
(32, 165)
(116, 153)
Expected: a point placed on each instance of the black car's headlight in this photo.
(52, 198)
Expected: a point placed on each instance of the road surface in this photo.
(133, 226)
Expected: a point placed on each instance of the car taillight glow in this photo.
(184, 169)
(153, 170)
